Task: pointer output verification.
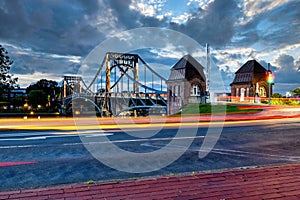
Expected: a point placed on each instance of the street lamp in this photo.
(270, 77)
(270, 81)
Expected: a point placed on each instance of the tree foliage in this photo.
(277, 95)
(296, 91)
(50, 87)
(6, 79)
(48, 91)
(37, 97)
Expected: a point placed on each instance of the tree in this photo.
(37, 97)
(277, 95)
(7, 81)
(50, 88)
(19, 101)
(296, 92)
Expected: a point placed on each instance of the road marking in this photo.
(232, 152)
(265, 155)
(97, 135)
(104, 142)
(19, 146)
(42, 136)
(147, 140)
(33, 138)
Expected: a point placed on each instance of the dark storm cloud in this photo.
(22, 69)
(214, 25)
(274, 28)
(286, 69)
(49, 26)
(129, 19)
(27, 64)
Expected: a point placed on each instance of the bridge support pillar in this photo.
(107, 89)
(136, 75)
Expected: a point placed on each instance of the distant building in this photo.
(12, 93)
(250, 82)
(288, 94)
(18, 92)
(186, 84)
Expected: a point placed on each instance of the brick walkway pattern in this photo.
(271, 182)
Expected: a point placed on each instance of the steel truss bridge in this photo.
(124, 84)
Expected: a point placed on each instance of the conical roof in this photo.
(251, 66)
(248, 71)
(187, 64)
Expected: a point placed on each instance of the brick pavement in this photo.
(271, 182)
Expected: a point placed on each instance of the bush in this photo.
(284, 102)
(278, 102)
(292, 102)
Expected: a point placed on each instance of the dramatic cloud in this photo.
(215, 25)
(270, 28)
(287, 70)
(48, 26)
(53, 37)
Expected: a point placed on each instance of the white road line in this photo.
(232, 152)
(271, 156)
(46, 135)
(96, 135)
(103, 142)
(152, 139)
(35, 138)
(19, 146)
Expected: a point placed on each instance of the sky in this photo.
(50, 38)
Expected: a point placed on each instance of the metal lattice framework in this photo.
(123, 84)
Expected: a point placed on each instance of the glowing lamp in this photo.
(269, 77)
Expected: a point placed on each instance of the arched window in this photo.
(195, 90)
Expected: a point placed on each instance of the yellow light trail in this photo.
(70, 125)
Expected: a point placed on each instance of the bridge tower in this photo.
(118, 63)
(72, 84)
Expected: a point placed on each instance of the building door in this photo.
(242, 98)
(262, 92)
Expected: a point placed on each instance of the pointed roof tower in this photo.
(248, 72)
(251, 66)
(186, 68)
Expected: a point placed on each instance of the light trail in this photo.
(99, 127)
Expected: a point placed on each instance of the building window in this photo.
(176, 90)
(195, 90)
(173, 91)
(237, 92)
(247, 92)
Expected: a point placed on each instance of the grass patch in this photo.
(208, 109)
(89, 182)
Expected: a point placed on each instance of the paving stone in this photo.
(273, 182)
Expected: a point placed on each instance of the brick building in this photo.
(186, 84)
(249, 83)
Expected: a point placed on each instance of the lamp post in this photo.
(269, 102)
(270, 81)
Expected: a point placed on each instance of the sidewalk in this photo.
(271, 182)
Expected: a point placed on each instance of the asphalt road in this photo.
(62, 157)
